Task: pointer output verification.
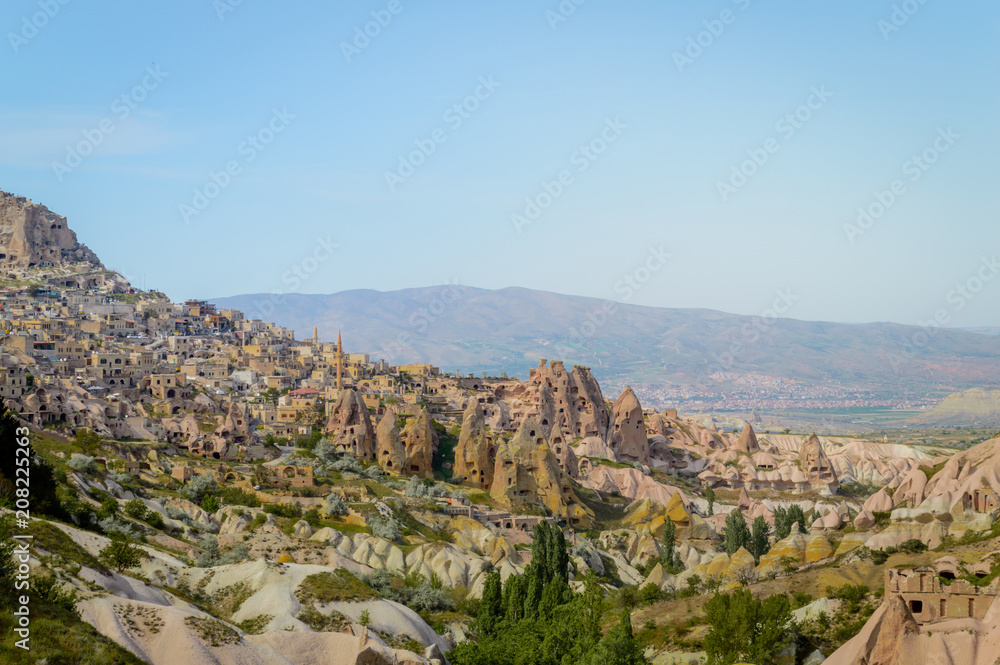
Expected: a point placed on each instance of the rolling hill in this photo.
(507, 330)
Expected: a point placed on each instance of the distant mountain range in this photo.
(508, 330)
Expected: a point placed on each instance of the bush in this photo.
(428, 599)
(385, 584)
(325, 451)
(209, 553)
(289, 510)
(335, 506)
(649, 593)
(49, 589)
(154, 519)
(235, 554)
(210, 504)
(198, 487)
(416, 489)
(879, 557)
(82, 463)
(347, 464)
(136, 509)
(121, 478)
(913, 546)
(237, 496)
(121, 553)
(384, 528)
(112, 526)
(109, 508)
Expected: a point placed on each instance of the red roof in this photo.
(304, 391)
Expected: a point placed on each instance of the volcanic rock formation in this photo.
(527, 476)
(628, 438)
(32, 235)
(419, 441)
(389, 449)
(351, 427)
(475, 451)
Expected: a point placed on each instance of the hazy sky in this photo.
(626, 123)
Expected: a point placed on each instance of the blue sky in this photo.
(328, 126)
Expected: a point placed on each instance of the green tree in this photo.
(736, 534)
(491, 605)
(619, 647)
(88, 440)
(744, 629)
(135, 509)
(109, 508)
(760, 539)
(210, 503)
(513, 598)
(710, 497)
(670, 559)
(121, 553)
(784, 518)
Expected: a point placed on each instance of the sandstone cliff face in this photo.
(816, 465)
(389, 448)
(527, 476)
(475, 451)
(628, 436)
(350, 426)
(31, 234)
(419, 441)
(569, 405)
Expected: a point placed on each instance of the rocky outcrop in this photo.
(350, 427)
(419, 441)
(475, 451)
(32, 235)
(568, 404)
(881, 640)
(628, 435)
(236, 425)
(389, 448)
(747, 442)
(527, 476)
(816, 465)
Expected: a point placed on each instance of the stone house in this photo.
(935, 592)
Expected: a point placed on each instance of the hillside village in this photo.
(254, 466)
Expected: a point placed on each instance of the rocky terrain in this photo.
(207, 488)
(32, 235)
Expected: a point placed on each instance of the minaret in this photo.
(340, 363)
(315, 336)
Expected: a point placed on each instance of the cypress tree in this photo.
(781, 524)
(737, 534)
(670, 559)
(491, 606)
(533, 591)
(513, 598)
(562, 556)
(759, 539)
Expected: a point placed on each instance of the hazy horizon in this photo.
(274, 149)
